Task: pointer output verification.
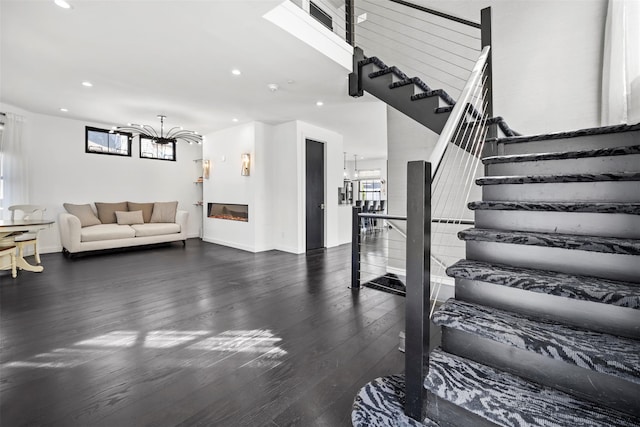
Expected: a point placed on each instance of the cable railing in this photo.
(437, 195)
(378, 252)
(437, 47)
(329, 13)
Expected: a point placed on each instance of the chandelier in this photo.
(148, 132)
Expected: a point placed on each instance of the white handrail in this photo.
(458, 111)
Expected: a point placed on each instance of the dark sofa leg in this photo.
(184, 243)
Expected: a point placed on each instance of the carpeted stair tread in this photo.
(372, 60)
(389, 70)
(610, 245)
(595, 351)
(380, 403)
(410, 81)
(574, 207)
(585, 288)
(446, 109)
(551, 179)
(563, 155)
(435, 92)
(508, 400)
(571, 134)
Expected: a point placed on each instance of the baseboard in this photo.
(230, 244)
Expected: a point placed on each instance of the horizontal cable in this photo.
(438, 14)
(394, 49)
(453, 221)
(381, 216)
(435, 24)
(424, 42)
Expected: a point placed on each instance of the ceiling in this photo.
(174, 57)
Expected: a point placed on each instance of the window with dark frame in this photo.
(370, 189)
(320, 15)
(152, 150)
(105, 141)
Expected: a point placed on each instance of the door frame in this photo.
(304, 190)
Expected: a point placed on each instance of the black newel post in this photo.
(416, 356)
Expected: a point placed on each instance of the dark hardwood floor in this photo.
(197, 336)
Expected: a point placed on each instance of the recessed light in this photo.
(234, 120)
(63, 4)
(87, 84)
(236, 72)
(319, 103)
(64, 110)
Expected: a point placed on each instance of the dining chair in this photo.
(27, 239)
(9, 251)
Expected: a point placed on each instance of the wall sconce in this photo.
(246, 164)
(206, 168)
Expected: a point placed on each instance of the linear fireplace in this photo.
(228, 211)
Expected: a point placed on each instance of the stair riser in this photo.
(602, 191)
(422, 111)
(610, 319)
(448, 414)
(605, 164)
(606, 265)
(584, 383)
(581, 223)
(571, 144)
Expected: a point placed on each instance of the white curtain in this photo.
(621, 63)
(13, 160)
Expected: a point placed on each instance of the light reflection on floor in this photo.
(197, 349)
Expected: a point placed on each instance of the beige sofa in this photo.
(79, 235)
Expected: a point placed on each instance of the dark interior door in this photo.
(315, 194)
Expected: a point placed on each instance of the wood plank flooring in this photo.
(197, 336)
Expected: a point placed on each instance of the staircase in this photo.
(429, 107)
(544, 329)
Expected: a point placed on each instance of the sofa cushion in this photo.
(106, 232)
(84, 213)
(128, 218)
(164, 212)
(107, 211)
(146, 208)
(155, 229)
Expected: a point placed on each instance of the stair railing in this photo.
(439, 48)
(377, 253)
(438, 189)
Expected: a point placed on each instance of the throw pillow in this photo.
(107, 211)
(84, 213)
(146, 208)
(129, 218)
(164, 212)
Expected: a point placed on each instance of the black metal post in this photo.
(485, 37)
(355, 248)
(416, 356)
(350, 19)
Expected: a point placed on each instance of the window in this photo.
(320, 15)
(370, 189)
(152, 150)
(104, 141)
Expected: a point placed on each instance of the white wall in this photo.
(275, 191)
(60, 171)
(226, 185)
(547, 60)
